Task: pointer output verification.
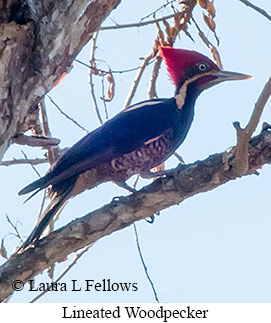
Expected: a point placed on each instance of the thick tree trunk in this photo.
(38, 42)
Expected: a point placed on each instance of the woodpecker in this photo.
(135, 141)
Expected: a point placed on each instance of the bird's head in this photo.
(186, 67)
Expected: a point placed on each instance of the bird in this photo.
(135, 141)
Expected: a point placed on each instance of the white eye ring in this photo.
(203, 67)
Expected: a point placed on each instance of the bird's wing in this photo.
(124, 133)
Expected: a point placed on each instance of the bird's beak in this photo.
(230, 76)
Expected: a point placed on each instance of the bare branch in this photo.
(137, 24)
(35, 161)
(136, 81)
(261, 11)
(104, 99)
(32, 165)
(153, 13)
(35, 141)
(155, 72)
(91, 72)
(44, 119)
(14, 227)
(243, 135)
(182, 183)
(106, 72)
(53, 153)
(65, 114)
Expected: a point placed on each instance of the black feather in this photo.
(38, 184)
(53, 208)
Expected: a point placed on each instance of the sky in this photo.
(213, 247)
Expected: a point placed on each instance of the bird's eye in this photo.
(203, 67)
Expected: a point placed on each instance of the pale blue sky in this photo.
(214, 247)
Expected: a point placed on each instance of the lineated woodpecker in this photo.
(136, 140)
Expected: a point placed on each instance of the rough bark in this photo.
(38, 42)
(182, 183)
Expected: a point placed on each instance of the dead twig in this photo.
(261, 11)
(52, 152)
(44, 119)
(92, 71)
(136, 81)
(29, 162)
(144, 265)
(106, 72)
(14, 227)
(35, 161)
(153, 13)
(65, 114)
(137, 24)
(155, 72)
(104, 100)
(241, 163)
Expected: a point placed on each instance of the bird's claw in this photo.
(151, 221)
(266, 126)
(152, 218)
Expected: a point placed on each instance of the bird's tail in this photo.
(38, 185)
(53, 208)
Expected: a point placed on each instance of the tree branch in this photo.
(35, 161)
(261, 11)
(137, 24)
(152, 84)
(91, 72)
(65, 114)
(182, 183)
(136, 80)
(35, 141)
(243, 135)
